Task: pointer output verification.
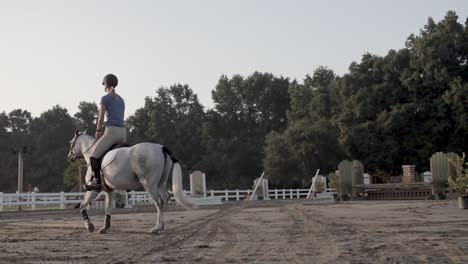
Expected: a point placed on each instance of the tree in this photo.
(47, 160)
(371, 88)
(310, 141)
(457, 100)
(87, 117)
(438, 60)
(7, 158)
(71, 175)
(246, 110)
(15, 136)
(405, 106)
(19, 121)
(138, 124)
(174, 118)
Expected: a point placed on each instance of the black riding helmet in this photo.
(110, 80)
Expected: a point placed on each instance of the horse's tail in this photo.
(177, 190)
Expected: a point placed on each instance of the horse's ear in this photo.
(84, 132)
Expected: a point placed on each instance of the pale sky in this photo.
(56, 52)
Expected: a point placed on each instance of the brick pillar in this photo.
(408, 173)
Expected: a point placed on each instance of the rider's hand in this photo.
(98, 134)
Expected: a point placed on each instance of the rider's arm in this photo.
(100, 122)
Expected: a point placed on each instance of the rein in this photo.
(72, 148)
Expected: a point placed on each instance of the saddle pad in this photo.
(110, 157)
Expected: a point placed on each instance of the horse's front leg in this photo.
(89, 196)
(108, 204)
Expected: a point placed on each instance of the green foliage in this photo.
(310, 141)
(246, 110)
(48, 157)
(280, 165)
(174, 118)
(319, 186)
(71, 175)
(87, 117)
(402, 107)
(458, 183)
(334, 182)
(119, 197)
(45, 140)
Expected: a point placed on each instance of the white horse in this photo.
(145, 164)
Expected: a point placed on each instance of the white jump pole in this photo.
(256, 186)
(312, 185)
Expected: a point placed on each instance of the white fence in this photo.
(34, 199)
(63, 200)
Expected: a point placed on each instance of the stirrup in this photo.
(93, 187)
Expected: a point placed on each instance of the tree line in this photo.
(386, 111)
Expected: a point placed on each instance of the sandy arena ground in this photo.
(298, 231)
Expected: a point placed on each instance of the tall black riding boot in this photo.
(96, 167)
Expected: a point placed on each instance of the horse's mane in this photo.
(88, 137)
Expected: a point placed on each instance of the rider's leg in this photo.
(102, 145)
(112, 135)
(96, 167)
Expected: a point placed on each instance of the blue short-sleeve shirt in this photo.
(115, 107)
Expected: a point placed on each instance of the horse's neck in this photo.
(87, 146)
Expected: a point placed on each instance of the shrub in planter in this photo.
(319, 186)
(459, 183)
(119, 199)
(439, 187)
(343, 189)
(334, 182)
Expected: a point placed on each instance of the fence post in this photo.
(127, 201)
(284, 194)
(276, 194)
(226, 195)
(297, 192)
(62, 200)
(212, 193)
(237, 195)
(33, 201)
(133, 198)
(1, 201)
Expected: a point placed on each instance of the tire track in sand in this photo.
(147, 250)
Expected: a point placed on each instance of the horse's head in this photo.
(75, 151)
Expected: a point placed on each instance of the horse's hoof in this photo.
(155, 231)
(90, 227)
(103, 230)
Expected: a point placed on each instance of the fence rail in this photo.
(34, 199)
(64, 200)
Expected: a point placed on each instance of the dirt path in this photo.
(253, 232)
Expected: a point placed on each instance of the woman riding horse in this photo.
(113, 106)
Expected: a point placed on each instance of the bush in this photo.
(459, 183)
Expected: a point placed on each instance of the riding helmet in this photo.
(110, 80)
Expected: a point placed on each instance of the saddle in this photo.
(107, 160)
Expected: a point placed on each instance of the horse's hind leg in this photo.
(107, 221)
(89, 196)
(161, 196)
(150, 172)
(159, 217)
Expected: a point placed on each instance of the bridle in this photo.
(72, 156)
